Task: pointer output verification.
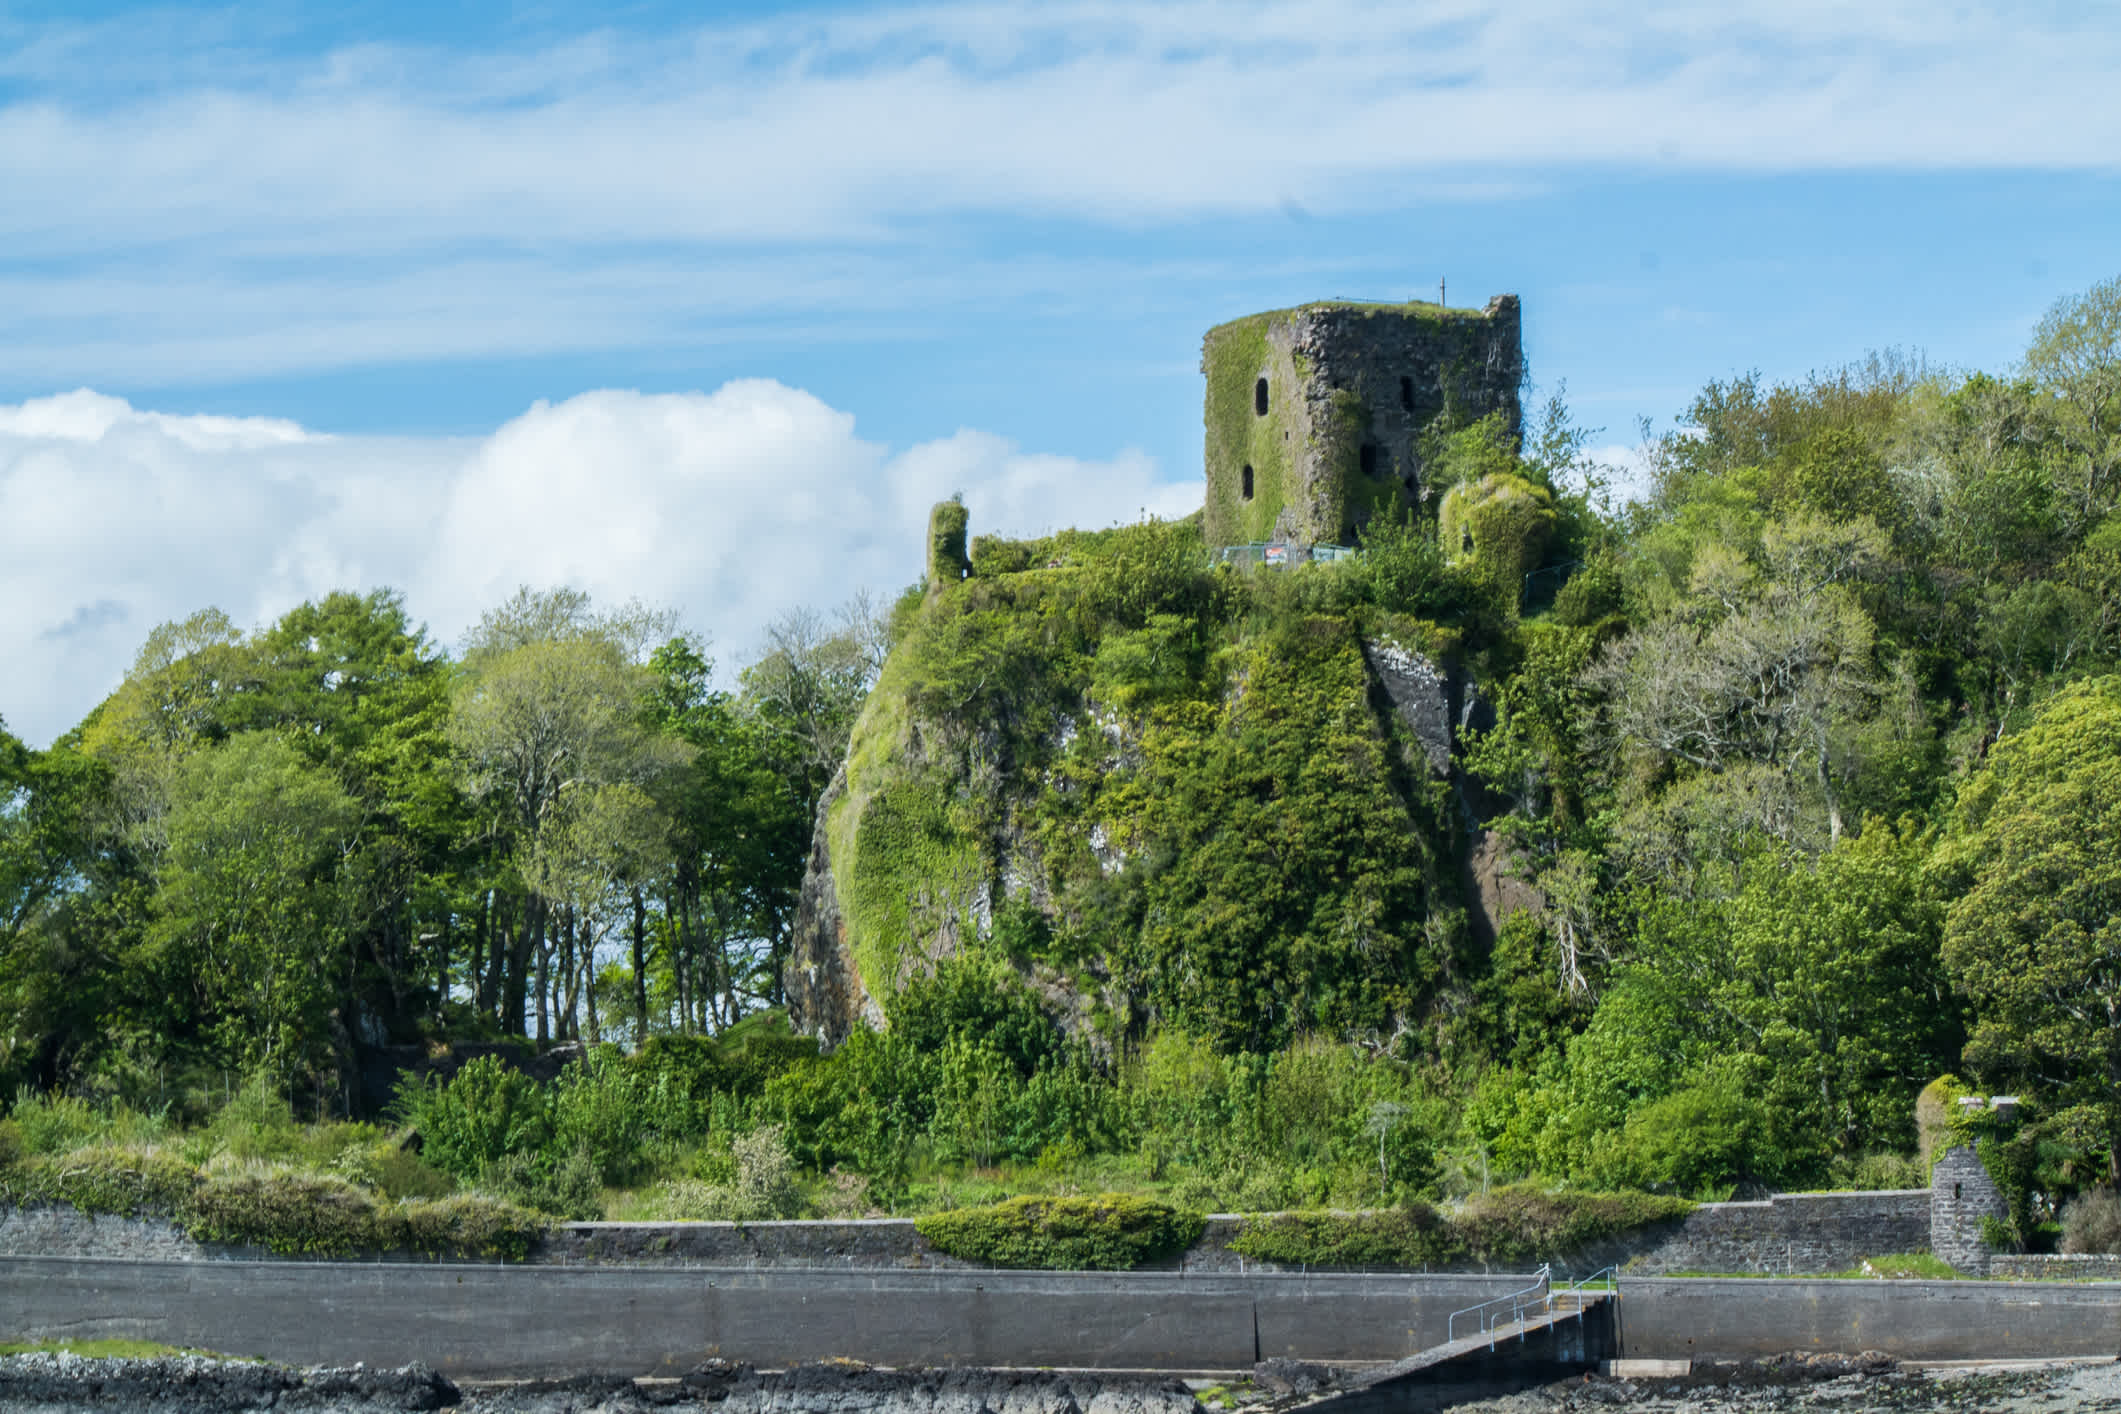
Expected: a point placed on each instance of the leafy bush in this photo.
(1415, 1235)
(468, 1223)
(757, 1184)
(53, 1123)
(1877, 1171)
(101, 1180)
(302, 1214)
(485, 1113)
(2093, 1222)
(567, 1188)
(600, 1107)
(284, 1210)
(1523, 1221)
(390, 1168)
(1108, 1232)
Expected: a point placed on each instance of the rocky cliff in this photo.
(1164, 793)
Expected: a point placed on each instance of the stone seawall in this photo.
(2094, 1266)
(1790, 1234)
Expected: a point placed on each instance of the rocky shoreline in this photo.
(197, 1384)
(1826, 1384)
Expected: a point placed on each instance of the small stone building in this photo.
(1315, 414)
(1961, 1195)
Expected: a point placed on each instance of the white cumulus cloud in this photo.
(730, 506)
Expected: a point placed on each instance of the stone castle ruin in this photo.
(1315, 414)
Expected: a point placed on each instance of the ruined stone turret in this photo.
(1315, 414)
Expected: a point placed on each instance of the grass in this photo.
(1893, 1266)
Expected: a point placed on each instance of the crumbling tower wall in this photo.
(1315, 414)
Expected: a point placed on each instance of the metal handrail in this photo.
(1518, 1303)
(1578, 1287)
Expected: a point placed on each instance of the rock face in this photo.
(1495, 885)
(822, 983)
(826, 979)
(194, 1384)
(1423, 695)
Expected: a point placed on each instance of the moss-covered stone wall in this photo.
(1325, 405)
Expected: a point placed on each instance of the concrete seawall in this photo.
(1738, 1318)
(470, 1320)
(496, 1320)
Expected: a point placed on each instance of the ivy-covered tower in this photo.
(1315, 413)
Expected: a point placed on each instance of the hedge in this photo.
(1106, 1232)
(285, 1211)
(1505, 1225)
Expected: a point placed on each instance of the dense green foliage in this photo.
(1104, 1232)
(267, 851)
(252, 1179)
(1801, 772)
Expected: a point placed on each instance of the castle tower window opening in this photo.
(1259, 398)
(1368, 457)
(1406, 395)
(1248, 481)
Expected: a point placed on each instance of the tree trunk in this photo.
(475, 970)
(640, 968)
(543, 980)
(515, 985)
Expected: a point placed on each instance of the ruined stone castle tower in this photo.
(1315, 413)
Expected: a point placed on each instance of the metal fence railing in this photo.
(1274, 554)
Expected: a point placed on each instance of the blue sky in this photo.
(784, 273)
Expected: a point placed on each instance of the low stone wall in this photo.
(875, 1242)
(64, 1232)
(1791, 1234)
(2091, 1266)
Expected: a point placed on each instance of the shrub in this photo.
(393, 1170)
(472, 1224)
(257, 1122)
(1507, 1224)
(600, 1106)
(1522, 1221)
(1935, 1110)
(1108, 1232)
(2092, 1223)
(102, 1180)
(286, 1211)
(52, 1123)
(1415, 1235)
(757, 1184)
(1876, 1171)
(487, 1112)
(567, 1189)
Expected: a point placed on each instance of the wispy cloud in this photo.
(590, 190)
